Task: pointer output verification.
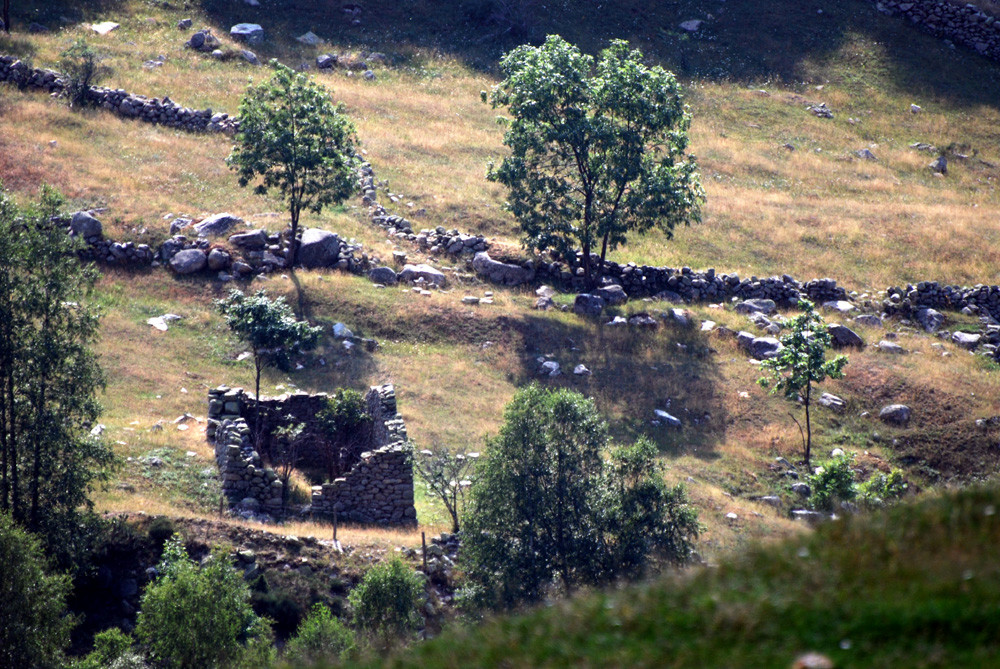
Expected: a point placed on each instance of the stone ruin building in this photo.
(373, 481)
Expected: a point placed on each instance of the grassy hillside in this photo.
(750, 72)
(916, 587)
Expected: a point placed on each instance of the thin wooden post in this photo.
(423, 543)
(221, 497)
(334, 524)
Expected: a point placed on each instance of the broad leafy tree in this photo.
(195, 617)
(448, 476)
(34, 628)
(549, 508)
(49, 375)
(597, 151)
(387, 601)
(270, 329)
(801, 363)
(293, 139)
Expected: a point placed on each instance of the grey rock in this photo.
(840, 306)
(770, 500)
(326, 61)
(581, 370)
(667, 419)
(890, 347)
(801, 489)
(545, 291)
(250, 240)
(930, 319)
(866, 154)
(939, 165)
(681, 317)
(842, 336)
(189, 261)
(765, 307)
(309, 39)
(545, 303)
(369, 75)
(249, 56)
(498, 272)
(85, 226)
(811, 517)
(587, 304)
(429, 274)
(384, 275)
(691, 25)
(967, 340)
(763, 348)
(744, 339)
(184, 24)
(550, 368)
(318, 248)
(870, 320)
(218, 260)
(179, 224)
(643, 321)
(895, 414)
(218, 224)
(832, 402)
(248, 33)
(250, 504)
(612, 295)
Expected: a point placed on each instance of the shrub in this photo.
(112, 650)
(388, 599)
(198, 616)
(882, 489)
(279, 607)
(83, 67)
(833, 482)
(160, 529)
(33, 627)
(320, 637)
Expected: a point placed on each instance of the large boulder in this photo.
(85, 226)
(429, 274)
(250, 240)
(895, 414)
(498, 272)
(761, 306)
(967, 340)
(612, 295)
(383, 275)
(763, 348)
(587, 304)
(189, 261)
(216, 225)
(842, 336)
(248, 33)
(218, 259)
(318, 248)
(930, 319)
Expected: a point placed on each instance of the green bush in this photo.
(279, 607)
(199, 616)
(83, 66)
(833, 482)
(160, 529)
(33, 626)
(320, 637)
(882, 489)
(112, 650)
(388, 599)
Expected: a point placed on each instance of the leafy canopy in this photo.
(321, 637)
(34, 629)
(596, 151)
(293, 139)
(802, 362)
(195, 617)
(387, 601)
(268, 326)
(548, 509)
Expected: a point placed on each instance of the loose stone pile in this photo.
(377, 486)
(966, 24)
(159, 111)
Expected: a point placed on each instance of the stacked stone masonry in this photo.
(376, 485)
(151, 110)
(965, 24)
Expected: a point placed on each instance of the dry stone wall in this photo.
(965, 24)
(377, 483)
(151, 110)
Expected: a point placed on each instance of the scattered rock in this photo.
(426, 272)
(581, 370)
(498, 272)
(612, 295)
(545, 303)
(842, 336)
(470, 299)
(895, 414)
(930, 319)
(870, 320)
(250, 57)
(248, 33)
(550, 368)
(369, 75)
(667, 419)
(801, 489)
(184, 24)
(587, 304)
(218, 260)
(939, 165)
(248, 240)
(309, 39)
(840, 306)
(811, 517)
(761, 348)
(326, 61)
(889, 347)
(341, 331)
(643, 321)
(85, 226)
(691, 25)
(682, 318)
(832, 402)
(765, 307)
(967, 339)
(105, 27)
(865, 154)
(383, 275)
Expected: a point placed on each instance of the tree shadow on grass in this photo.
(633, 373)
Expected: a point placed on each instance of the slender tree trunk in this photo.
(293, 243)
(36, 471)
(604, 254)
(587, 275)
(808, 425)
(6, 16)
(15, 505)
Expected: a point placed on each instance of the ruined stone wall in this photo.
(377, 485)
